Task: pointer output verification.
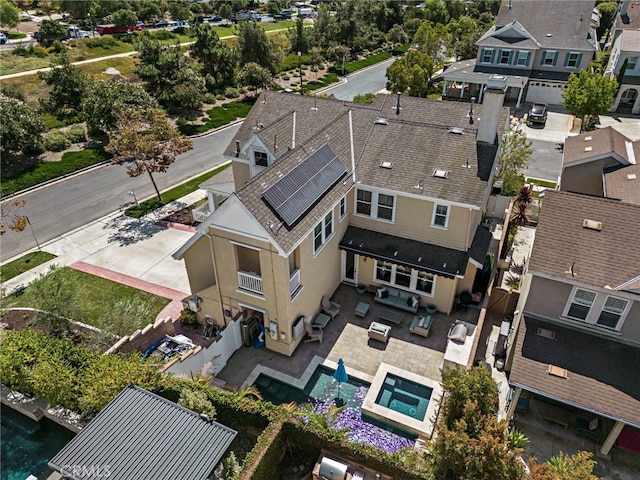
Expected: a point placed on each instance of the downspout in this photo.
(293, 136)
(353, 158)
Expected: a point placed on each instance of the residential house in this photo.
(624, 64)
(391, 193)
(576, 337)
(536, 44)
(604, 163)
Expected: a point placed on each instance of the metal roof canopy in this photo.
(142, 435)
(300, 189)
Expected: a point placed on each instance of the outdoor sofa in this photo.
(397, 298)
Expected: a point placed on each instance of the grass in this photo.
(217, 117)
(96, 297)
(541, 183)
(24, 264)
(360, 64)
(16, 35)
(175, 193)
(10, 63)
(41, 172)
(324, 81)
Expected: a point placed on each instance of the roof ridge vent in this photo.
(592, 225)
(385, 164)
(456, 130)
(557, 371)
(543, 332)
(440, 173)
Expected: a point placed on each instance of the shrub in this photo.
(105, 42)
(13, 90)
(76, 134)
(188, 318)
(285, 76)
(31, 51)
(231, 92)
(198, 402)
(220, 96)
(56, 141)
(209, 98)
(163, 35)
(57, 47)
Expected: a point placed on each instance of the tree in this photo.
(607, 14)
(463, 35)
(230, 468)
(11, 218)
(565, 467)
(178, 11)
(254, 46)
(20, 128)
(218, 60)
(397, 35)
(298, 37)
(51, 30)
(146, 139)
(105, 102)
(254, 76)
(515, 155)
(411, 73)
(588, 95)
(68, 85)
(225, 11)
(9, 15)
(124, 17)
(430, 37)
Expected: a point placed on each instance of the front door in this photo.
(349, 267)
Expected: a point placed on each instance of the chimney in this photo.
(624, 7)
(493, 99)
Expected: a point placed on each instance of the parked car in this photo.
(537, 113)
(215, 18)
(283, 15)
(251, 16)
(3, 38)
(161, 24)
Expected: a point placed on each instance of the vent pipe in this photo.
(237, 148)
(293, 135)
(398, 105)
(473, 99)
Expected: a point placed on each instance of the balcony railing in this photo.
(250, 281)
(201, 213)
(294, 282)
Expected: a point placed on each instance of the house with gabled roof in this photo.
(328, 192)
(536, 44)
(576, 336)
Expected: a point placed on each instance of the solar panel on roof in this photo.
(295, 193)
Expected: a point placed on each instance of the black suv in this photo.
(537, 113)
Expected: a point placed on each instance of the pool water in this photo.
(404, 396)
(321, 386)
(27, 445)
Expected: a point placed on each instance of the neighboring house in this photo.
(391, 193)
(537, 44)
(592, 163)
(577, 338)
(624, 64)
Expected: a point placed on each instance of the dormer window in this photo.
(523, 58)
(572, 60)
(505, 57)
(260, 159)
(487, 55)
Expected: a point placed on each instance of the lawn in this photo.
(175, 193)
(217, 117)
(95, 298)
(24, 264)
(42, 172)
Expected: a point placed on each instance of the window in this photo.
(572, 60)
(523, 58)
(405, 277)
(581, 304)
(549, 58)
(261, 159)
(322, 232)
(612, 312)
(505, 57)
(343, 207)
(487, 55)
(375, 205)
(632, 62)
(440, 216)
(363, 202)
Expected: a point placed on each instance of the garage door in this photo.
(545, 92)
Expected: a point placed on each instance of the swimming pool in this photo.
(27, 445)
(404, 396)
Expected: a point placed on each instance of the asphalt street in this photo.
(369, 80)
(80, 199)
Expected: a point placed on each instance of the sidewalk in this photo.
(134, 252)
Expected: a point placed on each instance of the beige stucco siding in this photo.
(199, 265)
(547, 297)
(631, 327)
(585, 178)
(241, 173)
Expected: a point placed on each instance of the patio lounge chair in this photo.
(314, 332)
(330, 308)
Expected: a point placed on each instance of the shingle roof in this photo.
(513, 35)
(141, 435)
(599, 258)
(416, 142)
(567, 21)
(631, 40)
(624, 183)
(602, 373)
(630, 19)
(594, 144)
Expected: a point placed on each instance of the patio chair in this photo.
(314, 332)
(330, 308)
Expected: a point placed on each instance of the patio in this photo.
(346, 337)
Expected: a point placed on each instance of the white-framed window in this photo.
(261, 159)
(612, 312)
(632, 62)
(322, 232)
(505, 57)
(375, 205)
(572, 60)
(405, 277)
(343, 207)
(440, 216)
(581, 304)
(487, 55)
(549, 57)
(523, 58)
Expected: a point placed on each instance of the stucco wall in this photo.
(585, 178)
(199, 263)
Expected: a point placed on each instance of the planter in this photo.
(361, 289)
(431, 309)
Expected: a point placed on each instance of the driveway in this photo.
(556, 129)
(546, 161)
(628, 125)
